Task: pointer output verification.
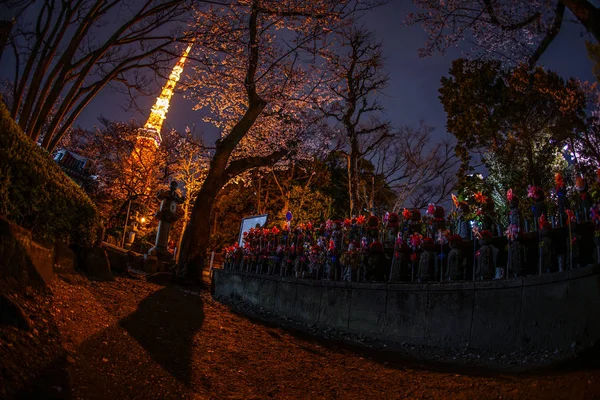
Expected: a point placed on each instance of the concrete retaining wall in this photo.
(532, 313)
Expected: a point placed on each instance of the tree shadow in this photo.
(109, 365)
(164, 325)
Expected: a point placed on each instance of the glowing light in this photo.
(143, 220)
(159, 111)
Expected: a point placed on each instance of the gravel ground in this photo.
(131, 339)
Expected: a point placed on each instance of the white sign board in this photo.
(251, 222)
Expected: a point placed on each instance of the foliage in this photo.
(509, 30)
(36, 194)
(514, 119)
(302, 187)
(231, 206)
(504, 175)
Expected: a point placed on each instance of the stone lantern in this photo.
(167, 214)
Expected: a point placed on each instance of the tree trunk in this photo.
(186, 213)
(215, 220)
(197, 233)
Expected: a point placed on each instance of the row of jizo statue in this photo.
(451, 249)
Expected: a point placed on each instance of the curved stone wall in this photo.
(544, 312)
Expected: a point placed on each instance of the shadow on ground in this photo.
(164, 325)
(116, 361)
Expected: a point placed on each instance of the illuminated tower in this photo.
(141, 168)
(159, 111)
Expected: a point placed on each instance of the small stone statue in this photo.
(330, 264)
(595, 217)
(376, 264)
(436, 219)
(516, 251)
(584, 203)
(415, 220)
(547, 251)
(485, 257)
(462, 224)
(456, 261)
(561, 195)
(575, 258)
(426, 271)
(398, 260)
(373, 228)
(391, 230)
(539, 206)
(350, 261)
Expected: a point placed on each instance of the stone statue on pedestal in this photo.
(462, 224)
(485, 257)
(456, 260)
(584, 202)
(426, 271)
(539, 206)
(595, 217)
(547, 252)
(167, 214)
(561, 195)
(516, 251)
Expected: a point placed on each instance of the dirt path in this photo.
(132, 339)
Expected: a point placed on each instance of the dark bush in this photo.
(37, 195)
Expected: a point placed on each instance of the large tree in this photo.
(515, 30)
(66, 52)
(357, 81)
(257, 69)
(515, 120)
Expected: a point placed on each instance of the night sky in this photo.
(413, 89)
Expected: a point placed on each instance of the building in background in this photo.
(76, 167)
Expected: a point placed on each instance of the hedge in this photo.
(36, 194)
